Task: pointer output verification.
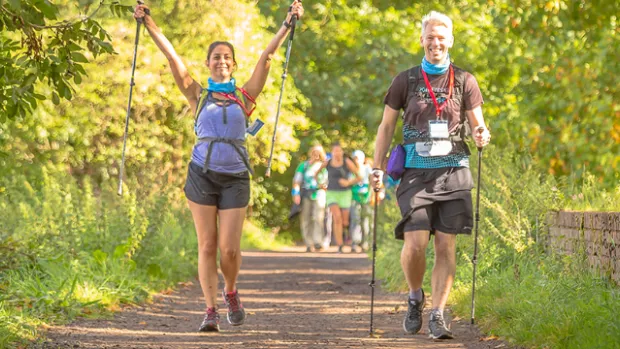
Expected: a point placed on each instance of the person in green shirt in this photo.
(360, 211)
(309, 183)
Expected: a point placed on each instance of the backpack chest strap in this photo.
(235, 143)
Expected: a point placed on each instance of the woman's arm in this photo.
(187, 85)
(352, 166)
(255, 85)
(323, 166)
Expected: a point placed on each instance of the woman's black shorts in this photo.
(435, 199)
(224, 190)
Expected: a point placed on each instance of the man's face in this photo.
(436, 40)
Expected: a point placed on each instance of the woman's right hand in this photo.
(140, 12)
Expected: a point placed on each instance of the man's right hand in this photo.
(297, 199)
(377, 178)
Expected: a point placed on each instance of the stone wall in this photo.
(597, 234)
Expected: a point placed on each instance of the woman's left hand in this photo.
(296, 9)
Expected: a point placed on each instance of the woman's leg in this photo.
(318, 216)
(205, 221)
(336, 223)
(345, 222)
(231, 226)
(355, 227)
(307, 221)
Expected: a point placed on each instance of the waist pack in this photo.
(396, 162)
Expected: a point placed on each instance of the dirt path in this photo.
(293, 300)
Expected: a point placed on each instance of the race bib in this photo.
(438, 129)
(433, 148)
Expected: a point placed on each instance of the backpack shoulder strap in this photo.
(414, 76)
(202, 100)
(459, 87)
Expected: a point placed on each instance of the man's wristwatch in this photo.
(286, 24)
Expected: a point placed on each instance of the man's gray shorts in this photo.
(435, 200)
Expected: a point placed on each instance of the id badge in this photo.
(438, 129)
(255, 127)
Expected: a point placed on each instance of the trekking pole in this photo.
(131, 84)
(374, 258)
(284, 74)
(474, 260)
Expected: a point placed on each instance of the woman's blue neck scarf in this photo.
(222, 87)
(436, 69)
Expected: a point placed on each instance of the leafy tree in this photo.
(36, 45)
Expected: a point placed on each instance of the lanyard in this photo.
(232, 96)
(438, 107)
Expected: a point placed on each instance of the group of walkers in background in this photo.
(334, 194)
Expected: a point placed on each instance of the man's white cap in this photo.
(359, 154)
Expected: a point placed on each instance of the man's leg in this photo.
(444, 269)
(413, 262)
(442, 280)
(413, 257)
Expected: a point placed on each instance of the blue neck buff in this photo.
(222, 87)
(436, 69)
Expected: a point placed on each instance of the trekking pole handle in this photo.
(146, 11)
(293, 22)
(480, 130)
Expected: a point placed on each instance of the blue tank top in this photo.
(220, 119)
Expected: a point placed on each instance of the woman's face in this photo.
(315, 155)
(221, 63)
(437, 40)
(337, 152)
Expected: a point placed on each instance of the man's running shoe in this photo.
(437, 327)
(236, 313)
(211, 322)
(413, 320)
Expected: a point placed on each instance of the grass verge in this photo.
(68, 251)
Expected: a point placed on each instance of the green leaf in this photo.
(74, 47)
(55, 98)
(22, 60)
(29, 80)
(77, 78)
(39, 96)
(78, 57)
(47, 9)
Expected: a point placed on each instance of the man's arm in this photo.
(385, 133)
(480, 132)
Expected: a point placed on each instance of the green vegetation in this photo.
(69, 246)
(68, 250)
(523, 294)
